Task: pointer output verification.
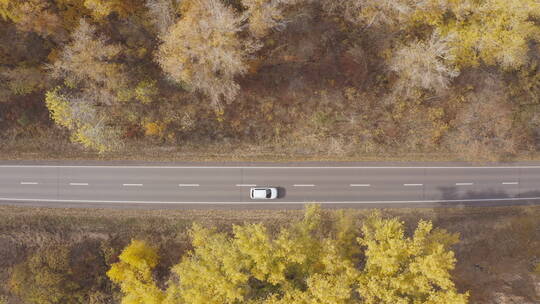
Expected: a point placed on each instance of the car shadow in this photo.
(282, 192)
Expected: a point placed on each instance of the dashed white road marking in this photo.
(29, 183)
(413, 185)
(78, 184)
(360, 185)
(132, 185)
(303, 185)
(510, 183)
(188, 185)
(246, 185)
(464, 184)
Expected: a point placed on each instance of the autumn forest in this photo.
(318, 77)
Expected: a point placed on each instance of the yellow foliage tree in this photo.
(500, 31)
(212, 274)
(69, 10)
(32, 16)
(146, 91)
(134, 274)
(7, 10)
(86, 127)
(103, 8)
(495, 32)
(96, 136)
(89, 61)
(59, 109)
(4, 12)
(402, 270)
(296, 266)
(91, 77)
(46, 277)
(303, 264)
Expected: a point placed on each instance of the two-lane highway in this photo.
(230, 184)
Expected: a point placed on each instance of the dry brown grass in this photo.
(52, 146)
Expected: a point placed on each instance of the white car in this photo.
(263, 193)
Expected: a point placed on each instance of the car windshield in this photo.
(268, 193)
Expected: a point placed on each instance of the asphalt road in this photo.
(191, 184)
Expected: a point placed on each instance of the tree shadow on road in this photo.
(453, 197)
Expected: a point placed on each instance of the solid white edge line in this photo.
(413, 185)
(246, 185)
(510, 183)
(464, 184)
(270, 202)
(188, 185)
(264, 167)
(303, 185)
(132, 185)
(360, 185)
(29, 183)
(78, 184)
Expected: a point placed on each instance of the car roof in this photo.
(259, 192)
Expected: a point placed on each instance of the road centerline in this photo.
(29, 183)
(220, 184)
